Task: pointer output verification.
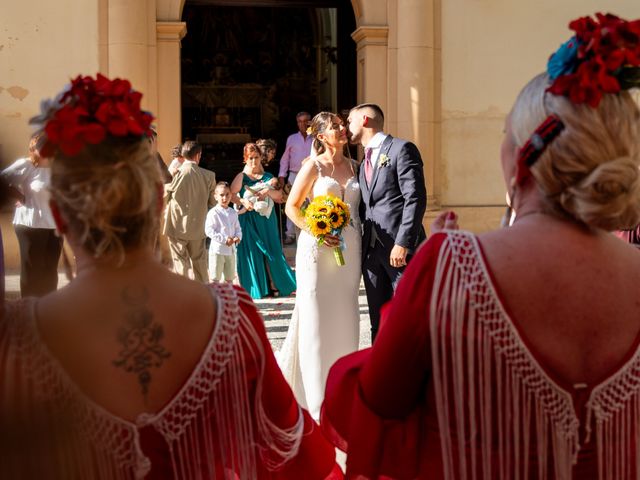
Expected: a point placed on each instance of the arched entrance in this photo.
(248, 67)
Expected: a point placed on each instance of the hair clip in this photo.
(536, 145)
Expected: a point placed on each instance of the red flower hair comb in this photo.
(602, 57)
(89, 110)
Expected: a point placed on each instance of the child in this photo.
(176, 159)
(223, 228)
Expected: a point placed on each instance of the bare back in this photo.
(573, 293)
(128, 340)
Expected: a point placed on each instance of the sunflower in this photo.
(344, 210)
(320, 226)
(326, 214)
(336, 217)
(310, 210)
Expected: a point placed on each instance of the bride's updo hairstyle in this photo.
(105, 179)
(318, 126)
(589, 172)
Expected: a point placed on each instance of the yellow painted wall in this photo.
(446, 71)
(490, 49)
(42, 45)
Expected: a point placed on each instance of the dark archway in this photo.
(249, 66)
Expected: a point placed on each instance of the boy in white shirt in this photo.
(223, 228)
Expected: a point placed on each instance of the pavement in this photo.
(276, 312)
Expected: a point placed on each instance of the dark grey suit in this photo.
(391, 210)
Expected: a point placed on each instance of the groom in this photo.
(394, 199)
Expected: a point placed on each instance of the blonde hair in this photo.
(108, 194)
(590, 171)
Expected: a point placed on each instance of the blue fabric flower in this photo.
(565, 60)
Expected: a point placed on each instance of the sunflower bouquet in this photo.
(327, 214)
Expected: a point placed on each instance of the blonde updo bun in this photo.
(108, 195)
(607, 197)
(590, 171)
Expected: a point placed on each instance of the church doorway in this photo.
(248, 67)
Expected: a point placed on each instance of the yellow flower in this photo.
(326, 213)
(320, 226)
(345, 210)
(336, 217)
(310, 210)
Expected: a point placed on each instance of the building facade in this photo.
(445, 73)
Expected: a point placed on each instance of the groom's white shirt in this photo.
(375, 143)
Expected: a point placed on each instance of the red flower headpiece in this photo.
(603, 57)
(88, 111)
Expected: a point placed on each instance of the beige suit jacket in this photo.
(188, 198)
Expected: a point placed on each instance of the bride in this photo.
(325, 321)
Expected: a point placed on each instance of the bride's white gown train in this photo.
(325, 321)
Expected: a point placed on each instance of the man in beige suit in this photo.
(189, 197)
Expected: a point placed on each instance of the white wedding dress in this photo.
(325, 321)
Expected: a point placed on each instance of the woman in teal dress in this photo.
(262, 268)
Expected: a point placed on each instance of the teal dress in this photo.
(260, 246)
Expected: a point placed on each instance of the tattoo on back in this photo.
(140, 338)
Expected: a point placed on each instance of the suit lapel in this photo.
(384, 150)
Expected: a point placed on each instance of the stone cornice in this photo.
(371, 35)
(171, 31)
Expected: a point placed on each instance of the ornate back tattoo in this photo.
(140, 338)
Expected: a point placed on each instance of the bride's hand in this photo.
(331, 241)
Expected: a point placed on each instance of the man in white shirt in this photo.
(298, 148)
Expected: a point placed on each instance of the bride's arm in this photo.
(299, 191)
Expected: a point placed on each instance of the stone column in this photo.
(371, 48)
(415, 49)
(169, 112)
(128, 42)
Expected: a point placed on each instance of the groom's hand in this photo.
(398, 257)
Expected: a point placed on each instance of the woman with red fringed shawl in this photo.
(130, 371)
(516, 354)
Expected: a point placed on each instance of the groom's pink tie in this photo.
(368, 169)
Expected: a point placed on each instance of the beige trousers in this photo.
(189, 254)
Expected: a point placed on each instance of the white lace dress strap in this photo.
(489, 388)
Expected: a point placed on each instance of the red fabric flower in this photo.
(606, 45)
(92, 109)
